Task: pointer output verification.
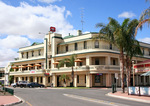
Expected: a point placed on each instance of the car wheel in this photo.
(14, 86)
(21, 86)
(30, 86)
(41, 86)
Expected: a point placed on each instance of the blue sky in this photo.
(24, 19)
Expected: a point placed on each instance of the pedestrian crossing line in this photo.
(28, 103)
(94, 100)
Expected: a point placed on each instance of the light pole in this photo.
(133, 73)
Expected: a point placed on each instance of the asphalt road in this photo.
(71, 97)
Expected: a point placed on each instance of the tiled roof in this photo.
(36, 43)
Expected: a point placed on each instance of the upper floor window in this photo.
(111, 46)
(27, 54)
(57, 50)
(85, 44)
(76, 46)
(96, 61)
(22, 55)
(114, 62)
(149, 52)
(32, 53)
(66, 48)
(39, 52)
(143, 51)
(96, 44)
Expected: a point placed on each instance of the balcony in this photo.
(90, 48)
(27, 72)
(88, 68)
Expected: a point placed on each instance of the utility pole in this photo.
(82, 22)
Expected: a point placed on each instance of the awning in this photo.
(146, 74)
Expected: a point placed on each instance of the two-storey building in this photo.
(98, 65)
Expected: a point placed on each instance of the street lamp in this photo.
(133, 73)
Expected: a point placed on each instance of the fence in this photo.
(11, 91)
(139, 90)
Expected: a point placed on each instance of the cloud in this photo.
(12, 42)
(30, 20)
(48, 1)
(68, 13)
(126, 15)
(146, 40)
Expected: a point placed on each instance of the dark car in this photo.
(34, 84)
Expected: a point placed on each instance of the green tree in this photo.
(117, 34)
(64, 78)
(144, 18)
(70, 62)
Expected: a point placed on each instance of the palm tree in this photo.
(144, 18)
(64, 78)
(70, 62)
(116, 34)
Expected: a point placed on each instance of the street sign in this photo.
(52, 29)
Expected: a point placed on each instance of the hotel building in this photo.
(99, 66)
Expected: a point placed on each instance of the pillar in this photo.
(88, 60)
(28, 79)
(44, 80)
(108, 60)
(35, 67)
(108, 80)
(19, 78)
(75, 80)
(88, 80)
(54, 81)
(35, 79)
(14, 79)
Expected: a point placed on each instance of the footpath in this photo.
(7, 99)
(125, 95)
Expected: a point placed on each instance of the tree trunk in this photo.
(72, 75)
(127, 71)
(130, 65)
(122, 69)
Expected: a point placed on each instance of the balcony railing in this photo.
(90, 47)
(89, 68)
(29, 57)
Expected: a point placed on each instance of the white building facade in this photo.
(100, 61)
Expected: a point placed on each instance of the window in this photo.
(41, 79)
(111, 46)
(96, 61)
(114, 62)
(27, 54)
(22, 78)
(149, 52)
(66, 48)
(96, 44)
(48, 79)
(26, 78)
(77, 78)
(39, 52)
(80, 63)
(76, 46)
(32, 53)
(143, 51)
(57, 49)
(85, 44)
(22, 55)
(16, 79)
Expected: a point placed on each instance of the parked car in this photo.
(22, 84)
(14, 85)
(34, 84)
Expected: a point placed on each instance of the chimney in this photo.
(79, 32)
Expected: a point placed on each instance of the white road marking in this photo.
(94, 100)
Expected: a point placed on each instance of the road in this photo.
(71, 97)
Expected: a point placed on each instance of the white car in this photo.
(14, 85)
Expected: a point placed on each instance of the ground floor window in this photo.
(77, 78)
(41, 79)
(16, 79)
(85, 78)
(22, 78)
(48, 79)
(37, 79)
(26, 78)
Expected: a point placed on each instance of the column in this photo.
(28, 79)
(88, 80)
(88, 60)
(35, 67)
(108, 80)
(75, 80)
(54, 80)
(14, 79)
(19, 78)
(35, 79)
(14, 70)
(44, 80)
(108, 60)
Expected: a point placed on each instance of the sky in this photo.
(22, 20)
